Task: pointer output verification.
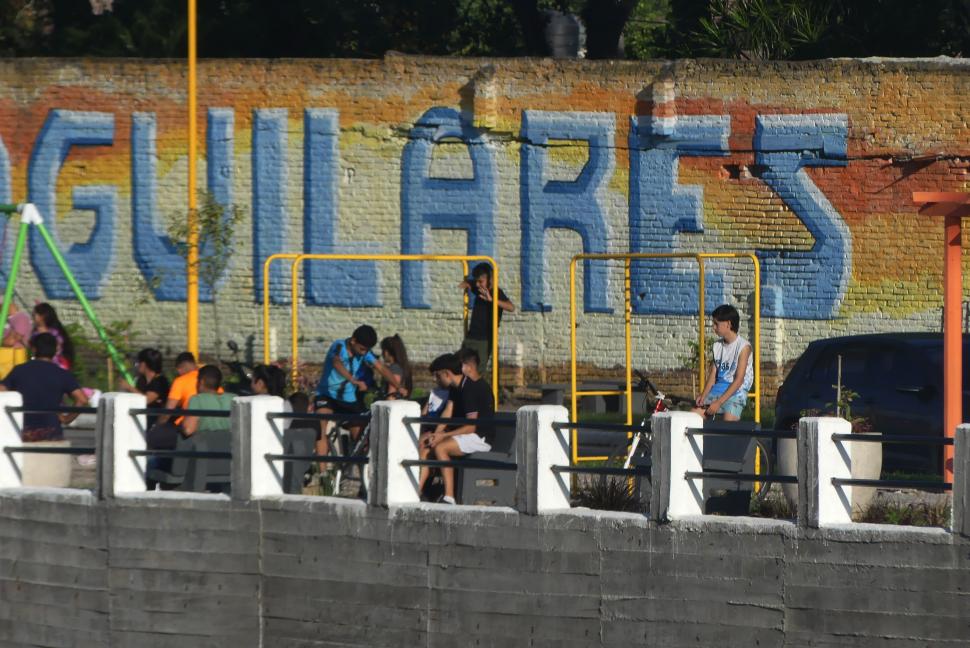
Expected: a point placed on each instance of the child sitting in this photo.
(731, 374)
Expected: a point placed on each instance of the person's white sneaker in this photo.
(447, 500)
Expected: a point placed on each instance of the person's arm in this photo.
(338, 366)
(437, 437)
(504, 304)
(189, 425)
(12, 338)
(445, 414)
(80, 400)
(388, 375)
(736, 383)
(170, 404)
(125, 386)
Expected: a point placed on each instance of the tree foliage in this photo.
(751, 29)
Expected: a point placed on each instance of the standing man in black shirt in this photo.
(479, 334)
(471, 398)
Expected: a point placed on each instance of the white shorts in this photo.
(469, 443)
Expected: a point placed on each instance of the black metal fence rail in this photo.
(741, 477)
(488, 464)
(148, 411)
(914, 439)
(345, 418)
(183, 454)
(455, 422)
(48, 450)
(909, 439)
(735, 432)
(603, 427)
(637, 471)
(61, 409)
(341, 459)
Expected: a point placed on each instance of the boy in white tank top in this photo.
(732, 373)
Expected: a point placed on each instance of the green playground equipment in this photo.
(30, 215)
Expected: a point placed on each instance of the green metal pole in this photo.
(18, 252)
(119, 362)
(8, 209)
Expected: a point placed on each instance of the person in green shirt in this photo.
(208, 398)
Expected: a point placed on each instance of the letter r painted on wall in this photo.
(804, 284)
(90, 261)
(443, 203)
(661, 209)
(574, 205)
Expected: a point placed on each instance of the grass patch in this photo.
(919, 514)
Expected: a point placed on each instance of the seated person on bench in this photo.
(208, 398)
(471, 398)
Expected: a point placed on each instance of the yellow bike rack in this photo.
(298, 259)
(628, 313)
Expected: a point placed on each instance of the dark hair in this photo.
(184, 357)
(727, 313)
(152, 359)
(466, 354)
(395, 346)
(210, 377)
(51, 321)
(446, 362)
(44, 345)
(482, 269)
(365, 335)
(300, 402)
(272, 376)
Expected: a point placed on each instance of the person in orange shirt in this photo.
(184, 387)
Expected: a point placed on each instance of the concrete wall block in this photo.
(253, 437)
(675, 453)
(391, 443)
(539, 447)
(820, 459)
(11, 465)
(118, 433)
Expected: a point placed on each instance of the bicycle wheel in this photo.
(763, 466)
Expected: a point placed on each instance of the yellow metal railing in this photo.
(627, 324)
(298, 259)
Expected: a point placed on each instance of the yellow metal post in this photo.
(294, 316)
(294, 292)
(192, 258)
(700, 259)
(627, 322)
(574, 445)
(701, 341)
(266, 264)
(464, 300)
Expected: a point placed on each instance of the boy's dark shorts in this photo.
(338, 406)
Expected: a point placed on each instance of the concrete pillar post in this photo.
(961, 481)
(11, 423)
(538, 447)
(821, 459)
(254, 435)
(391, 442)
(675, 453)
(117, 433)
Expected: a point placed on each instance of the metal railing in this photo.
(313, 416)
(615, 471)
(906, 439)
(762, 478)
(460, 463)
(52, 450)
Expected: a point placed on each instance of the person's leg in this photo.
(445, 451)
(480, 347)
(423, 452)
(323, 441)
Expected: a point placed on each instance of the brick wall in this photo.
(811, 165)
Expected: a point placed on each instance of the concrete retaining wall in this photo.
(163, 570)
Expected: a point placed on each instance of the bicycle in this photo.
(643, 438)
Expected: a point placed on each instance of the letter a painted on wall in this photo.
(443, 203)
(804, 284)
(91, 259)
(573, 205)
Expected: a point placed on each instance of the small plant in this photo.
(921, 514)
(215, 227)
(90, 357)
(692, 360)
(842, 407)
(608, 494)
